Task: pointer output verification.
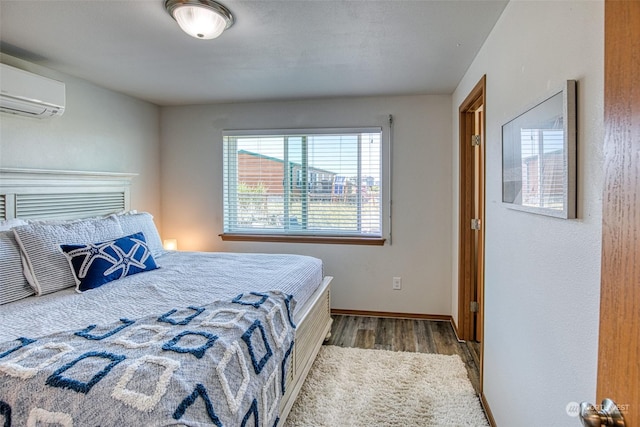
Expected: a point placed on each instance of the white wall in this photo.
(542, 276)
(100, 130)
(421, 249)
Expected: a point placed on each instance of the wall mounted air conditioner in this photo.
(29, 94)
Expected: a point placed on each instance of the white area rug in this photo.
(356, 387)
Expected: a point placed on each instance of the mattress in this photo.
(184, 278)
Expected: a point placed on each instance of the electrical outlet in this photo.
(397, 283)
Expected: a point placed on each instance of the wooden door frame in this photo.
(619, 341)
(466, 269)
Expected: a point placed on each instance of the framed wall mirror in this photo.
(539, 157)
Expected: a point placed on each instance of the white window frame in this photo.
(288, 234)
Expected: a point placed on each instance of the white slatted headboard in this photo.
(56, 194)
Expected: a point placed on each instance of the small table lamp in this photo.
(170, 244)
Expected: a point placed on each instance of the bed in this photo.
(192, 338)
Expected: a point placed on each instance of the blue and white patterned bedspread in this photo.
(223, 364)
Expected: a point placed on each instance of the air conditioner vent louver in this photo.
(29, 94)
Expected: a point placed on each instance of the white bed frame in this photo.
(53, 194)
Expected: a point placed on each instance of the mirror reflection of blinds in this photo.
(303, 182)
(543, 166)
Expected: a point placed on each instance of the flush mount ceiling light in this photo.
(202, 19)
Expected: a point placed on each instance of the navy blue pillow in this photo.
(95, 264)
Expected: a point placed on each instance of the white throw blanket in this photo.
(223, 363)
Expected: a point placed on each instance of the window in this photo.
(303, 182)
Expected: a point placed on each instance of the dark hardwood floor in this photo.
(423, 336)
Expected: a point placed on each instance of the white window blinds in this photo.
(543, 167)
(323, 182)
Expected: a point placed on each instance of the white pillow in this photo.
(8, 224)
(136, 222)
(13, 284)
(40, 244)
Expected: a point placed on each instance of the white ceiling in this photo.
(288, 49)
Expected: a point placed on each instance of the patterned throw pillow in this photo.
(95, 264)
(48, 268)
